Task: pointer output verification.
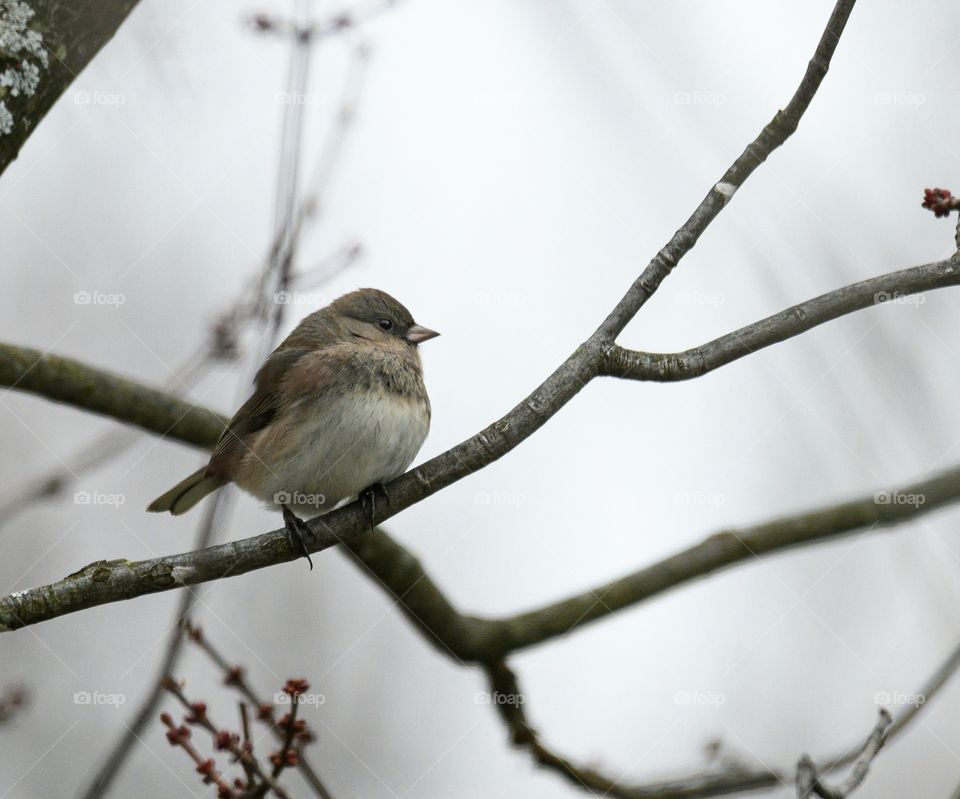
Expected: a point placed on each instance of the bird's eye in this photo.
(385, 324)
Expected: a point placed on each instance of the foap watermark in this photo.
(713, 499)
(699, 298)
(898, 298)
(296, 98)
(98, 498)
(912, 100)
(698, 698)
(299, 499)
(498, 498)
(99, 98)
(283, 698)
(114, 300)
(98, 698)
(699, 98)
(891, 698)
(899, 498)
(508, 298)
(294, 298)
(497, 698)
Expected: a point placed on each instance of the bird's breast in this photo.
(336, 446)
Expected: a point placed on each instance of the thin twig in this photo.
(179, 735)
(810, 783)
(247, 742)
(240, 753)
(235, 676)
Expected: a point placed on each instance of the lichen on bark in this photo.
(22, 57)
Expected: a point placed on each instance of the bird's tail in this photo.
(187, 493)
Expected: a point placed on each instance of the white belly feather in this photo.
(344, 446)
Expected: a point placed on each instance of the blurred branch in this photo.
(96, 453)
(46, 43)
(12, 700)
(73, 383)
(810, 783)
(334, 24)
(330, 156)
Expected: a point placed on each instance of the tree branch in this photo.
(616, 361)
(480, 640)
(509, 701)
(108, 581)
(73, 383)
(810, 783)
(57, 38)
(774, 134)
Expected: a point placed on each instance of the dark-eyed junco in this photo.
(339, 409)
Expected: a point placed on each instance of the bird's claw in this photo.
(368, 500)
(297, 532)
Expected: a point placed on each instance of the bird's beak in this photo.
(418, 333)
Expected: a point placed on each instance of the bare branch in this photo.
(617, 361)
(810, 783)
(774, 134)
(510, 701)
(73, 383)
(474, 639)
(108, 581)
(922, 697)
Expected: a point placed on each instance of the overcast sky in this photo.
(512, 168)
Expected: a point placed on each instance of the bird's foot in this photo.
(297, 532)
(368, 500)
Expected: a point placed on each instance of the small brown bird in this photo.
(339, 409)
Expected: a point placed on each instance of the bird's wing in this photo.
(256, 413)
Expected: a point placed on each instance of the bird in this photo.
(339, 409)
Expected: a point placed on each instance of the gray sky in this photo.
(512, 169)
